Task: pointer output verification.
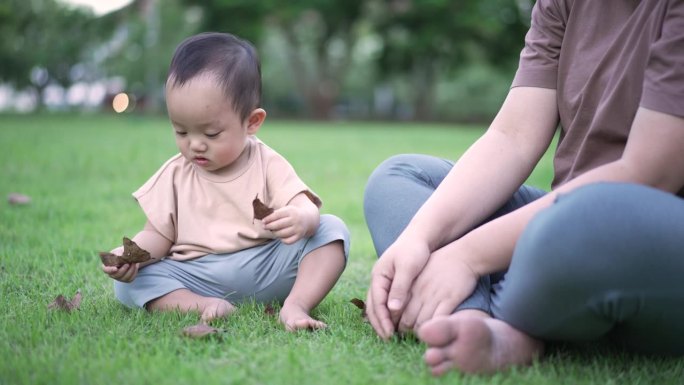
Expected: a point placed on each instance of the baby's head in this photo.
(213, 93)
(232, 62)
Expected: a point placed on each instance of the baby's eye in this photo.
(212, 135)
(181, 133)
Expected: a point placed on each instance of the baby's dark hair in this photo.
(232, 60)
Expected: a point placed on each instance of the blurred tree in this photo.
(319, 34)
(140, 48)
(42, 42)
(244, 18)
(427, 40)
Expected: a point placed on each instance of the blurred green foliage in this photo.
(322, 59)
(44, 42)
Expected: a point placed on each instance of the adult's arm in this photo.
(653, 156)
(482, 180)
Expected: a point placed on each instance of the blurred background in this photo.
(414, 60)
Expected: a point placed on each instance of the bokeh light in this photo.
(120, 102)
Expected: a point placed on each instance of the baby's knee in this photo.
(333, 227)
(123, 293)
(331, 222)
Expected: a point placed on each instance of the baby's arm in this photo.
(297, 220)
(148, 239)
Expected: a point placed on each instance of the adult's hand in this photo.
(445, 282)
(391, 280)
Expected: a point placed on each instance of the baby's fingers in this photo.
(130, 273)
(109, 270)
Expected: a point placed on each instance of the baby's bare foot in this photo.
(215, 308)
(297, 318)
(476, 345)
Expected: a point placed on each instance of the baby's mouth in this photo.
(200, 160)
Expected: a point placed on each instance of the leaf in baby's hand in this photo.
(261, 211)
(109, 259)
(361, 305)
(61, 303)
(200, 330)
(132, 253)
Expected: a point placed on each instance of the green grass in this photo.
(80, 171)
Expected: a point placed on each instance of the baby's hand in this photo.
(290, 223)
(124, 273)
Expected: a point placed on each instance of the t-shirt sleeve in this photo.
(664, 78)
(157, 200)
(538, 66)
(283, 183)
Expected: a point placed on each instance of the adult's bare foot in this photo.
(294, 318)
(475, 344)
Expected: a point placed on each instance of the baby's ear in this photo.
(255, 119)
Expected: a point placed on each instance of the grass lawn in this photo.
(80, 172)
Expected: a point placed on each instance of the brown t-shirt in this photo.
(203, 213)
(605, 58)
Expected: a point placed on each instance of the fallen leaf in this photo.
(268, 309)
(261, 211)
(61, 303)
(200, 330)
(18, 199)
(361, 305)
(132, 253)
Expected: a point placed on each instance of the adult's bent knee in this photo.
(589, 233)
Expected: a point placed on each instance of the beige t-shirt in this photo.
(202, 213)
(605, 59)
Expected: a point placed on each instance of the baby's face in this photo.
(209, 133)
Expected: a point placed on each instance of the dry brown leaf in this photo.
(268, 309)
(261, 211)
(61, 303)
(361, 305)
(18, 199)
(132, 253)
(200, 330)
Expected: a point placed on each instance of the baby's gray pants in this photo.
(604, 261)
(263, 273)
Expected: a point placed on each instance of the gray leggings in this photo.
(604, 261)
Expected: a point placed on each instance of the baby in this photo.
(208, 251)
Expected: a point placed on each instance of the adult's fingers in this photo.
(376, 308)
(398, 293)
(407, 322)
(443, 308)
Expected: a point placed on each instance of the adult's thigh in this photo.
(395, 191)
(603, 260)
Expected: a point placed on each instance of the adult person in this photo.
(601, 255)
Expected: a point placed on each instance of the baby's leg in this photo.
(317, 274)
(186, 286)
(186, 301)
